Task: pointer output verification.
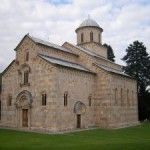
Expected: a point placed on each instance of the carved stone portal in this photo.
(79, 108)
(24, 100)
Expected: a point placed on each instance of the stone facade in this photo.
(59, 88)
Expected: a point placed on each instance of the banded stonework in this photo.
(55, 88)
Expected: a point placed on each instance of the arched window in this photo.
(44, 99)
(99, 37)
(65, 98)
(116, 91)
(27, 56)
(91, 36)
(9, 102)
(23, 73)
(26, 77)
(82, 37)
(90, 100)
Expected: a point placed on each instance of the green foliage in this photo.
(134, 138)
(110, 53)
(138, 66)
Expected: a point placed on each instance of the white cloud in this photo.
(123, 21)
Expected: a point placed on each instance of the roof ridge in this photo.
(60, 59)
(109, 67)
(41, 39)
(50, 44)
(64, 63)
(88, 51)
(112, 70)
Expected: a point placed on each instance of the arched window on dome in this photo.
(91, 36)
(99, 37)
(82, 37)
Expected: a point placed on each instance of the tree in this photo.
(138, 67)
(110, 53)
(138, 64)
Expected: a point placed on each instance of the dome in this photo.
(89, 23)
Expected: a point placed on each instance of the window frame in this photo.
(99, 37)
(44, 99)
(82, 37)
(65, 98)
(90, 100)
(27, 56)
(91, 36)
(26, 77)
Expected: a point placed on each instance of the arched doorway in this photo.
(23, 109)
(79, 110)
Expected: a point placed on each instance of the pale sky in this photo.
(123, 21)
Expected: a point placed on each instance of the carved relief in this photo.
(24, 100)
(79, 108)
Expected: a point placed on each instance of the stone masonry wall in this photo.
(123, 105)
(80, 86)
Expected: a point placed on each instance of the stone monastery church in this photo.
(55, 88)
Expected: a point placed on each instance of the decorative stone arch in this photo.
(24, 100)
(23, 109)
(79, 108)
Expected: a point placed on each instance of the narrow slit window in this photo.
(65, 99)
(82, 37)
(90, 100)
(26, 77)
(91, 36)
(99, 37)
(44, 98)
(27, 56)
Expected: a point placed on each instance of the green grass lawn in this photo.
(134, 138)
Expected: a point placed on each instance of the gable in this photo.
(26, 50)
(25, 38)
(8, 68)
